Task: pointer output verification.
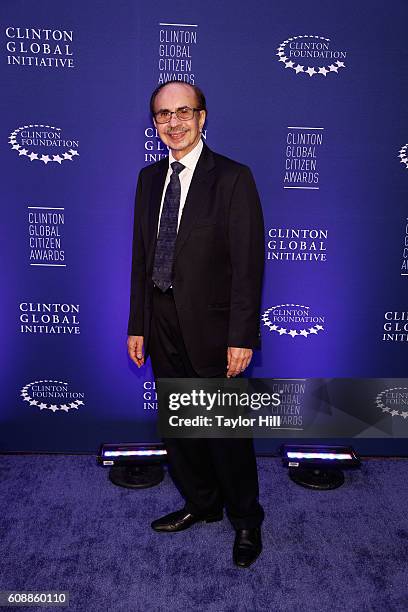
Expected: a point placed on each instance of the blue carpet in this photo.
(64, 526)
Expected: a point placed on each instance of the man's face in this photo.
(180, 136)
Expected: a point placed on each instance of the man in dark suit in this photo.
(198, 253)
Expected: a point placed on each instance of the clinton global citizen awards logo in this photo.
(302, 153)
(394, 401)
(291, 408)
(177, 44)
(311, 55)
(294, 320)
(39, 47)
(43, 143)
(54, 395)
(46, 236)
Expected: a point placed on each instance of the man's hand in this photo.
(135, 349)
(238, 360)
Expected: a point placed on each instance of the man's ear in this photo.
(202, 120)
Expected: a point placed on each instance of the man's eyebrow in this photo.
(167, 110)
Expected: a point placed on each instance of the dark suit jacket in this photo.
(218, 263)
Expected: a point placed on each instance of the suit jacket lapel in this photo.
(197, 195)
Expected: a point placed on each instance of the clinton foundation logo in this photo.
(294, 320)
(44, 143)
(54, 395)
(404, 263)
(311, 55)
(403, 155)
(394, 401)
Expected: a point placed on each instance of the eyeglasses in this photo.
(184, 113)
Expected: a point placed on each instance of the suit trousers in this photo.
(211, 473)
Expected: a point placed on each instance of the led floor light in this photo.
(318, 467)
(134, 466)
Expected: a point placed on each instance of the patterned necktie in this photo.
(166, 240)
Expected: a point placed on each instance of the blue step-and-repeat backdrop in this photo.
(312, 96)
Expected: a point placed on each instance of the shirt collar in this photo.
(190, 160)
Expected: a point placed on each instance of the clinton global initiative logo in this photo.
(311, 55)
(39, 47)
(154, 149)
(44, 143)
(49, 318)
(394, 401)
(403, 155)
(295, 320)
(52, 395)
(149, 395)
(395, 326)
(296, 244)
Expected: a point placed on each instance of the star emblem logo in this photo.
(43, 405)
(273, 321)
(390, 399)
(403, 155)
(283, 52)
(38, 155)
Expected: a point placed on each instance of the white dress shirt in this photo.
(189, 161)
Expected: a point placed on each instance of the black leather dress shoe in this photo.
(177, 521)
(247, 546)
